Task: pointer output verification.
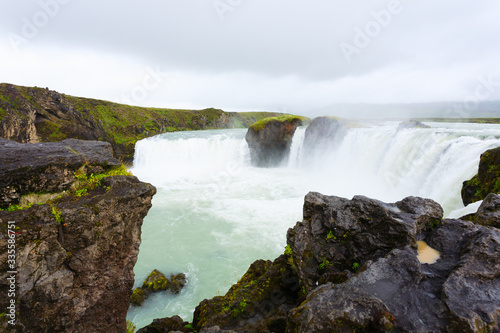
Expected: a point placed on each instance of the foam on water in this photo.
(214, 214)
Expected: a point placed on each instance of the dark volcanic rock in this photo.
(47, 167)
(411, 124)
(352, 265)
(259, 302)
(166, 325)
(487, 179)
(337, 233)
(488, 214)
(322, 132)
(157, 281)
(76, 257)
(270, 139)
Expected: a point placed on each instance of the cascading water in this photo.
(214, 214)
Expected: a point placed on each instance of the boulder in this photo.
(166, 325)
(322, 132)
(269, 140)
(412, 123)
(157, 281)
(487, 179)
(488, 214)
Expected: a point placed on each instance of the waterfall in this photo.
(215, 214)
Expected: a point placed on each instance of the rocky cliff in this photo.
(353, 265)
(269, 140)
(36, 114)
(76, 248)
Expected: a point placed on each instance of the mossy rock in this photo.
(487, 179)
(261, 124)
(138, 297)
(257, 303)
(156, 281)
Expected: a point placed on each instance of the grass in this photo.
(259, 125)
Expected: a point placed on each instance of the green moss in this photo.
(288, 250)
(138, 296)
(51, 131)
(86, 183)
(57, 214)
(130, 327)
(330, 235)
(261, 124)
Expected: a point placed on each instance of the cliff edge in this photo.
(69, 232)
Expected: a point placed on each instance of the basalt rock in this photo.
(488, 214)
(487, 179)
(322, 132)
(352, 265)
(75, 254)
(155, 282)
(48, 167)
(269, 140)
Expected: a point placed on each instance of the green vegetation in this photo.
(57, 214)
(355, 266)
(330, 235)
(324, 265)
(259, 125)
(288, 250)
(85, 183)
(130, 327)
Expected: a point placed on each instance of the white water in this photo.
(214, 214)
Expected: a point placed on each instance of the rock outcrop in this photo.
(37, 114)
(76, 252)
(412, 123)
(48, 167)
(488, 214)
(269, 140)
(487, 179)
(322, 132)
(157, 281)
(352, 265)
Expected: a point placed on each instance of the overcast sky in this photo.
(254, 54)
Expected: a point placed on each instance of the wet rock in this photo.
(138, 297)
(166, 325)
(487, 179)
(338, 234)
(47, 167)
(488, 214)
(322, 133)
(259, 302)
(155, 282)
(177, 282)
(269, 140)
(412, 123)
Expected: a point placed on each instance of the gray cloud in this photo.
(261, 53)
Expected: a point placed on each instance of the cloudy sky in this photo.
(278, 55)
